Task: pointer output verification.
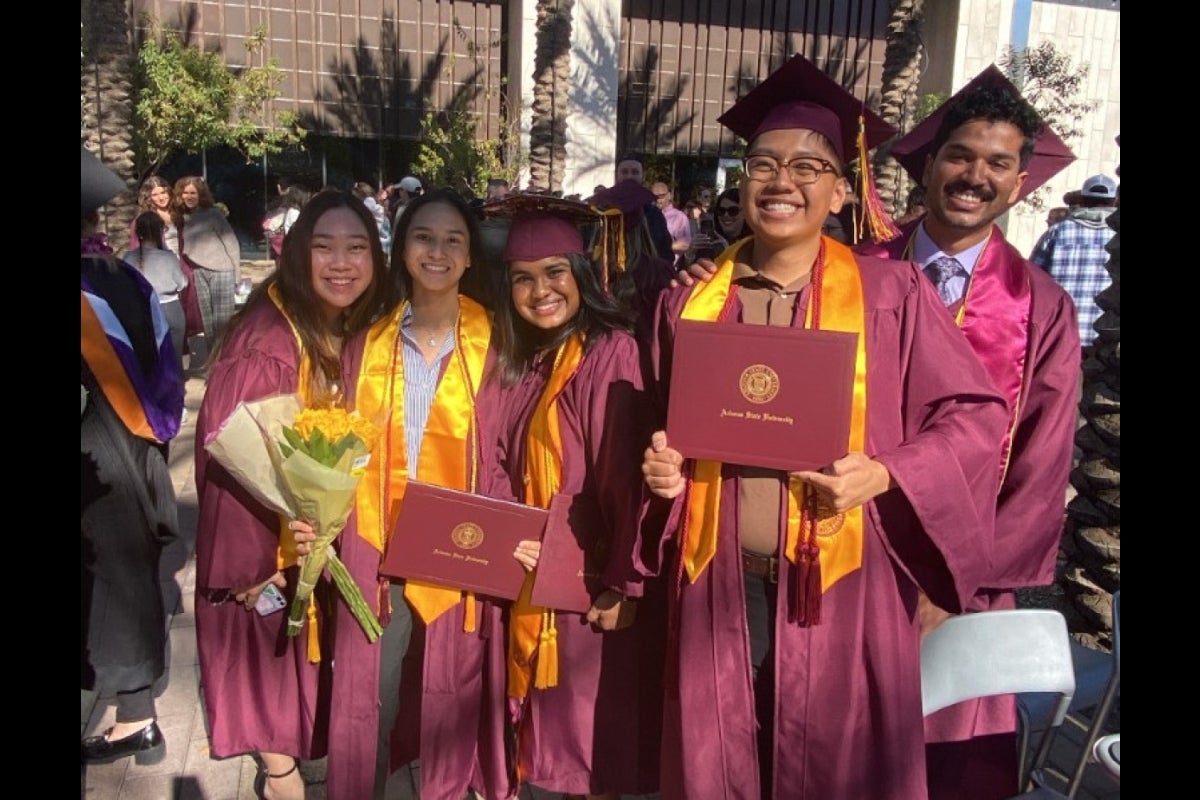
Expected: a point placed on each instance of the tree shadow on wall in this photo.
(372, 96)
(649, 123)
(651, 106)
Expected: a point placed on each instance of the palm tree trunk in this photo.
(898, 94)
(107, 104)
(1092, 544)
(552, 81)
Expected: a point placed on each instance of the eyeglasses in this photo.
(803, 171)
(728, 211)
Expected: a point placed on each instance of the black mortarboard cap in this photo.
(97, 183)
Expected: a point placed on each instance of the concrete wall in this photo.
(595, 81)
(1091, 34)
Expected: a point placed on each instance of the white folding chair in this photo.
(1001, 652)
(1107, 752)
(1099, 718)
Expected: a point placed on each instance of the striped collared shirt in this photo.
(420, 385)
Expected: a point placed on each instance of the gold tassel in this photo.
(547, 655)
(314, 641)
(875, 218)
(469, 613)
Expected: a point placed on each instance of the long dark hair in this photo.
(475, 282)
(519, 342)
(293, 276)
(150, 229)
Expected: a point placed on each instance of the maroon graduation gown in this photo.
(260, 691)
(1030, 510)
(452, 705)
(598, 729)
(848, 719)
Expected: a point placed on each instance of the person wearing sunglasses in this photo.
(730, 223)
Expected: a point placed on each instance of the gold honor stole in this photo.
(832, 543)
(533, 637)
(444, 457)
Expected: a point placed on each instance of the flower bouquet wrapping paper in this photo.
(305, 464)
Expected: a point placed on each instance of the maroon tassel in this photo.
(384, 601)
(806, 610)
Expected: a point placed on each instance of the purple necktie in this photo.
(941, 271)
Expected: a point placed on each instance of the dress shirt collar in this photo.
(925, 250)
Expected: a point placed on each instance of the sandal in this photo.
(260, 780)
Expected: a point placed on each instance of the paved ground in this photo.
(189, 772)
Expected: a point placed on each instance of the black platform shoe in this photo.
(147, 746)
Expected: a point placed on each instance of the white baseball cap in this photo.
(409, 184)
(1100, 186)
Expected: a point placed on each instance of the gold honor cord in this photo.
(533, 636)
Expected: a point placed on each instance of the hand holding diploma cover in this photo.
(304, 464)
(761, 396)
(566, 579)
(461, 540)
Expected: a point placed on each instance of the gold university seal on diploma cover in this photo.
(467, 536)
(759, 383)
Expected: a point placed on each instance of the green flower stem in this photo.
(354, 598)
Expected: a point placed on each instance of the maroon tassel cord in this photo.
(806, 610)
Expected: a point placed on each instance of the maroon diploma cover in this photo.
(761, 396)
(461, 540)
(565, 576)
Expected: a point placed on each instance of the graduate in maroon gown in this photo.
(794, 666)
(980, 153)
(260, 687)
(577, 414)
(421, 368)
(644, 274)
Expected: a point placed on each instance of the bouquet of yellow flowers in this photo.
(305, 464)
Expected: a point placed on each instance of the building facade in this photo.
(646, 76)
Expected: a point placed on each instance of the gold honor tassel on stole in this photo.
(533, 635)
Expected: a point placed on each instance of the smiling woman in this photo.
(341, 261)
(569, 364)
(330, 281)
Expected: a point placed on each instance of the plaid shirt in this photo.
(1072, 251)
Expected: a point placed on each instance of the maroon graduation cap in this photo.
(629, 197)
(798, 95)
(542, 225)
(1050, 154)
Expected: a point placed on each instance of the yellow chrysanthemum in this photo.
(334, 423)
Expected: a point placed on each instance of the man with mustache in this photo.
(978, 155)
(793, 668)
